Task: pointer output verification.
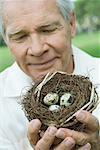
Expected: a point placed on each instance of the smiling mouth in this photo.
(51, 61)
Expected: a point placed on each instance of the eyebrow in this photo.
(15, 33)
(56, 23)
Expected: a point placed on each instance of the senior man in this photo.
(39, 34)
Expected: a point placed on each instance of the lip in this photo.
(51, 61)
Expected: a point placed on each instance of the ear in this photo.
(73, 24)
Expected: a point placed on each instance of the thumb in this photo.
(33, 130)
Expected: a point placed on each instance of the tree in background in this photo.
(88, 14)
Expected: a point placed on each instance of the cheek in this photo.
(59, 42)
(18, 50)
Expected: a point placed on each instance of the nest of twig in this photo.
(79, 94)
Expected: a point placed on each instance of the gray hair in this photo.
(65, 6)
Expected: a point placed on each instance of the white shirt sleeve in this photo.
(13, 127)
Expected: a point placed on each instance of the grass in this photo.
(6, 58)
(87, 42)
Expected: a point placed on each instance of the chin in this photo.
(38, 78)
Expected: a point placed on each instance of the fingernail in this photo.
(60, 134)
(52, 130)
(87, 146)
(69, 142)
(36, 123)
(80, 115)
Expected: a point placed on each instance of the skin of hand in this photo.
(90, 135)
(69, 137)
(47, 140)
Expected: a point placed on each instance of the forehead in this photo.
(37, 9)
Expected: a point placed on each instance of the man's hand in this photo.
(33, 131)
(91, 134)
(47, 140)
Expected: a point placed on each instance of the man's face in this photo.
(39, 37)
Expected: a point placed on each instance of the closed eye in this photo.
(19, 38)
(48, 30)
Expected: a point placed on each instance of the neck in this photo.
(71, 65)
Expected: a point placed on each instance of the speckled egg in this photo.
(66, 100)
(51, 99)
(54, 108)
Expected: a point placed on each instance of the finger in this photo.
(67, 144)
(42, 133)
(80, 137)
(88, 119)
(56, 140)
(85, 147)
(47, 139)
(33, 130)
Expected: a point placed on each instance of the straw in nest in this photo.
(82, 96)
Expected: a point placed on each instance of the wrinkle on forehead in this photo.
(16, 9)
(26, 6)
(11, 5)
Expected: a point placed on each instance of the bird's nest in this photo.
(57, 98)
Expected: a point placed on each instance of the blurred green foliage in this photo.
(88, 14)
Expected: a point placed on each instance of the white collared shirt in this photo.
(13, 82)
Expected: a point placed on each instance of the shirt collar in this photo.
(16, 82)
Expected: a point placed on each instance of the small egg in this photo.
(51, 98)
(54, 108)
(66, 100)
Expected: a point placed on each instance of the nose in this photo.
(37, 46)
